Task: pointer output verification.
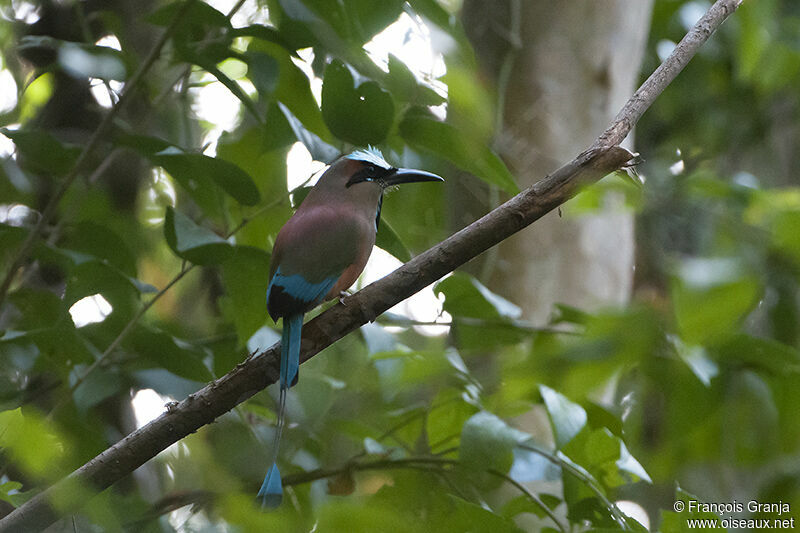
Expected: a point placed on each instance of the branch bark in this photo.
(251, 376)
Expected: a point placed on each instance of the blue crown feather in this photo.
(371, 155)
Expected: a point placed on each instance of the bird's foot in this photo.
(342, 296)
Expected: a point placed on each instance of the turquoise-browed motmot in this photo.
(319, 253)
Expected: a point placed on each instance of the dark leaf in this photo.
(40, 152)
(165, 351)
(319, 149)
(360, 115)
(262, 69)
(191, 170)
(192, 242)
(246, 276)
(431, 136)
(388, 240)
(84, 61)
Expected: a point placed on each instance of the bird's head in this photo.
(360, 178)
(371, 167)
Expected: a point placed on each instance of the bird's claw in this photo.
(342, 296)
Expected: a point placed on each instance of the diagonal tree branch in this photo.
(222, 395)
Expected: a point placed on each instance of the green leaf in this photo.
(103, 243)
(467, 297)
(607, 457)
(446, 418)
(522, 504)
(319, 149)
(31, 443)
(488, 442)
(262, 69)
(264, 33)
(697, 359)
(233, 87)
(692, 509)
(192, 242)
(404, 85)
(98, 386)
(9, 492)
(11, 237)
(246, 277)
(434, 137)
(89, 274)
(360, 115)
(628, 463)
(40, 152)
(785, 233)
(204, 33)
(566, 418)
(711, 296)
(192, 170)
(388, 240)
(570, 315)
(768, 354)
(294, 90)
(170, 353)
(468, 516)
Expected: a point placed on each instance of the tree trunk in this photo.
(564, 70)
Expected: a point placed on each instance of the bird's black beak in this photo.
(409, 175)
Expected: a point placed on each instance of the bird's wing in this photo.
(287, 295)
(311, 252)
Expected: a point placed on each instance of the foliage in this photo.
(171, 221)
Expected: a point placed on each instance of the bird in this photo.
(318, 254)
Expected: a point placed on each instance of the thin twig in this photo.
(250, 377)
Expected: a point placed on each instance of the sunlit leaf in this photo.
(404, 85)
(567, 418)
(487, 442)
(31, 442)
(466, 296)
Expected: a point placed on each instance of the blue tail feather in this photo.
(290, 349)
(271, 492)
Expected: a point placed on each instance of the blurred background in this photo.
(638, 346)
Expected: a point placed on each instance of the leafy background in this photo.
(691, 386)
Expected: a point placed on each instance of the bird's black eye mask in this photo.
(372, 173)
